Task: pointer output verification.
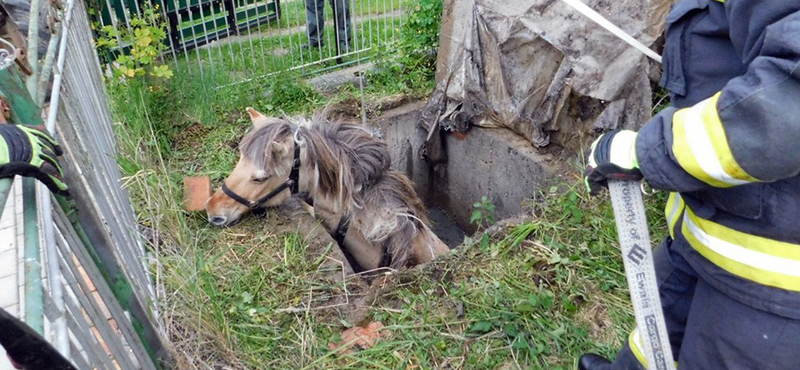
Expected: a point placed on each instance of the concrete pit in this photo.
(490, 162)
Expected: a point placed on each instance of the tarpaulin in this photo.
(540, 68)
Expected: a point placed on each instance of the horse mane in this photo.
(394, 194)
(347, 158)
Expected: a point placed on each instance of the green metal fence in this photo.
(245, 40)
(98, 305)
(192, 23)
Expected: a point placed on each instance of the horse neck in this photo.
(330, 204)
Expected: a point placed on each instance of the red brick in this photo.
(196, 191)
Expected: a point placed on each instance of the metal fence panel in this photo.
(85, 129)
(249, 39)
(98, 256)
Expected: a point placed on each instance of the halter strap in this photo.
(292, 183)
(339, 236)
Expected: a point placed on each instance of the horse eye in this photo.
(260, 180)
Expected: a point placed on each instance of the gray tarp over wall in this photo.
(541, 69)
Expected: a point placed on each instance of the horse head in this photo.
(262, 177)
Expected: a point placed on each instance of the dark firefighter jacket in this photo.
(729, 148)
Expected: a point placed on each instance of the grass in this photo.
(531, 296)
(259, 56)
(294, 12)
(212, 87)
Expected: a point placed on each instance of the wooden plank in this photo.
(184, 5)
(195, 29)
(194, 32)
(78, 355)
(246, 15)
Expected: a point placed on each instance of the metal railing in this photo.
(86, 282)
(248, 39)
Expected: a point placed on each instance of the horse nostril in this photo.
(217, 220)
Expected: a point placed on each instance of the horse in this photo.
(343, 175)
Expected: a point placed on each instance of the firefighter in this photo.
(728, 151)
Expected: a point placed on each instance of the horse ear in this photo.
(257, 118)
(279, 150)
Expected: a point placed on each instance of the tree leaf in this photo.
(476, 215)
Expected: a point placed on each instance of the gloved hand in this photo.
(26, 151)
(612, 157)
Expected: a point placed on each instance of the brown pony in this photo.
(373, 212)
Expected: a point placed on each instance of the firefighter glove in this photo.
(612, 157)
(26, 151)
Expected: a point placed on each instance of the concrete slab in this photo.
(495, 163)
(331, 82)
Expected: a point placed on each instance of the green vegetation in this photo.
(409, 64)
(661, 99)
(143, 42)
(528, 296)
(294, 12)
(535, 295)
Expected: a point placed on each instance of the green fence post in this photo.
(24, 111)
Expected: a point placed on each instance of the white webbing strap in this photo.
(605, 23)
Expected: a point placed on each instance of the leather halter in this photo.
(293, 183)
(257, 206)
(341, 232)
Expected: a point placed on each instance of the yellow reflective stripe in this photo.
(719, 140)
(673, 211)
(4, 155)
(752, 242)
(636, 347)
(701, 146)
(759, 259)
(635, 342)
(668, 210)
